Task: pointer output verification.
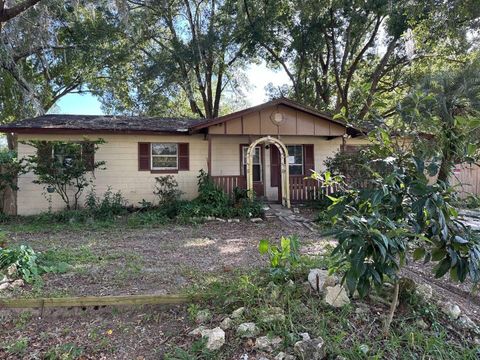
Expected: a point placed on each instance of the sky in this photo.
(258, 75)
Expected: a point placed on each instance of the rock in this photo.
(17, 283)
(256, 220)
(425, 291)
(313, 349)
(361, 309)
(476, 341)
(305, 336)
(4, 286)
(296, 210)
(203, 316)
(466, 323)
(267, 343)
(336, 296)
(226, 323)
(282, 356)
(248, 329)
(220, 220)
(244, 357)
(263, 358)
(422, 324)
(319, 279)
(364, 349)
(4, 280)
(237, 313)
(233, 220)
(272, 314)
(452, 310)
(197, 331)
(215, 338)
(12, 270)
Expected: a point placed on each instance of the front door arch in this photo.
(285, 176)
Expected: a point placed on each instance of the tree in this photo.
(446, 104)
(351, 56)
(10, 167)
(48, 52)
(401, 209)
(180, 52)
(65, 172)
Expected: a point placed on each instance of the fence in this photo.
(467, 179)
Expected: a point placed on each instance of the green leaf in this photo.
(263, 246)
(438, 254)
(418, 253)
(442, 268)
(460, 240)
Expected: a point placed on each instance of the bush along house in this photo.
(269, 148)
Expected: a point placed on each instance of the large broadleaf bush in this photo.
(401, 209)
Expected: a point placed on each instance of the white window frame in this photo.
(244, 158)
(303, 158)
(171, 156)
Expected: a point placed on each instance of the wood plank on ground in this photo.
(95, 301)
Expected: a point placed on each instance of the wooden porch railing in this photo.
(229, 182)
(306, 189)
(301, 189)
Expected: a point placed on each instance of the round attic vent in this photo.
(277, 117)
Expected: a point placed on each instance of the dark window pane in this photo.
(295, 169)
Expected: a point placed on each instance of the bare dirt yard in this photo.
(164, 260)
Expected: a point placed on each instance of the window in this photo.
(295, 159)
(257, 163)
(66, 154)
(164, 156)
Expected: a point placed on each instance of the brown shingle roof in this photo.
(136, 124)
(99, 123)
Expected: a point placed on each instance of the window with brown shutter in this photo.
(163, 157)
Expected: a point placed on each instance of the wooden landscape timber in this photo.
(85, 301)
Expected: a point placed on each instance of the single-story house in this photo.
(138, 149)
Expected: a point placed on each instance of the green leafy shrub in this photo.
(61, 166)
(209, 193)
(109, 205)
(166, 189)
(283, 258)
(23, 258)
(212, 201)
(28, 264)
(376, 226)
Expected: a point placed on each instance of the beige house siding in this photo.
(121, 155)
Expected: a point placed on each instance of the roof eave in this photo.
(29, 130)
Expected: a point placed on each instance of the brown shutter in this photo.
(183, 157)
(308, 160)
(274, 166)
(88, 154)
(143, 156)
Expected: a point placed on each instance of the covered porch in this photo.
(302, 136)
